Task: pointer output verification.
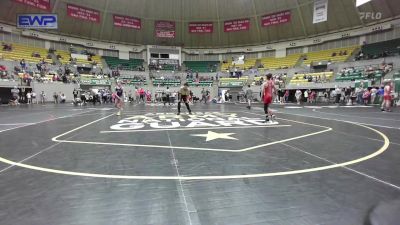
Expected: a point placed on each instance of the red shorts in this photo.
(267, 99)
(387, 98)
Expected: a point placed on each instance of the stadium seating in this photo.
(131, 64)
(133, 81)
(327, 55)
(166, 82)
(376, 49)
(323, 76)
(273, 63)
(168, 67)
(192, 82)
(227, 81)
(25, 52)
(355, 75)
(396, 75)
(67, 55)
(248, 63)
(202, 66)
(359, 75)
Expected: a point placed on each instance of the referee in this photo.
(183, 96)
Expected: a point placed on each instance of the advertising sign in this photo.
(236, 25)
(83, 13)
(37, 21)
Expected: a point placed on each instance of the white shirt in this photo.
(298, 93)
(373, 91)
(28, 95)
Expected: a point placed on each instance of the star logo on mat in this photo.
(213, 136)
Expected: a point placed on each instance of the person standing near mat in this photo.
(183, 96)
(166, 96)
(249, 96)
(119, 92)
(268, 90)
(387, 97)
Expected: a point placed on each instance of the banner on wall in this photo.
(83, 13)
(236, 25)
(40, 4)
(320, 11)
(165, 29)
(127, 21)
(37, 21)
(201, 27)
(276, 18)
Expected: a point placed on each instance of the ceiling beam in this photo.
(55, 6)
(301, 18)
(218, 23)
(105, 13)
(256, 19)
(182, 22)
(358, 11)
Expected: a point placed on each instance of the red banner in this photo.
(236, 25)
(165, 29)
(276, 18)
(83, 13)
(127, 21)
(201, 27)
(40, 4)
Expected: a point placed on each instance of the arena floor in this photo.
(70, 165)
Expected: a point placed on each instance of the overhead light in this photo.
(361, 2)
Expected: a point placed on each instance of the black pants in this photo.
(338, 96)
(166, 100)
(184, 99)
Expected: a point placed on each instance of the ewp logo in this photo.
(37, 21)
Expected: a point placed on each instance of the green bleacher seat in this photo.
(378, 48)
(131, 64)
(202, 66)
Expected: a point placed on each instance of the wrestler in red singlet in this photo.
(387, 97)
(268, 89)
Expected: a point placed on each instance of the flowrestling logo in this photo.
(370, 15)
(37, 21)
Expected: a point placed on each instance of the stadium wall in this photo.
(280, 47)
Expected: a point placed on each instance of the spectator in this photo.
(338, 93)
(55, 97)
(42, 97)
(298, 95)
(29, 97)
(286, 96)
(366, 96)
(380, 94)
(15, 95)
(305, 96)
(374, 92)
(34, 100)
(314, 94)
(23, 64)
(3, 72)
(7, 47)
(347, 94)
(35, 54)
